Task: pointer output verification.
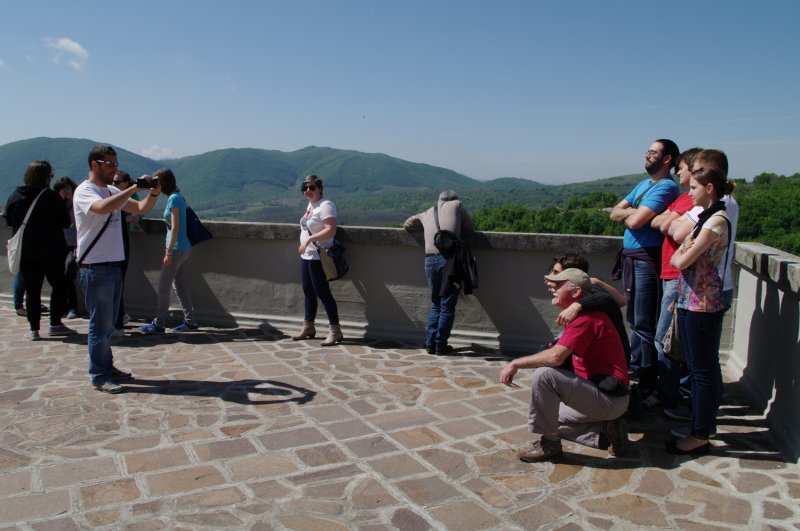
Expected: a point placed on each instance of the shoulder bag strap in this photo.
(91, 245)
(28, 213)
(641, 196)
(727, 251)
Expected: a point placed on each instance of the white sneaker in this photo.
(109, 387)
(32, 335)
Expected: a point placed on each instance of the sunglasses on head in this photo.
(309, 187)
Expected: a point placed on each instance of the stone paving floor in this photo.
(246, 429)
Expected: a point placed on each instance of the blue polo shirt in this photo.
(657, 198)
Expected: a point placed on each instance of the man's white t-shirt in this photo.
(109, 247)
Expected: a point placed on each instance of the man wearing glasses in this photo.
(640, 258)
(100, 253)
(587, 404)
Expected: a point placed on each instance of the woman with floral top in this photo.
(700, 302)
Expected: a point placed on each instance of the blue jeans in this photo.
(669, 370)
(102, 289)
(443, 309)
(700, 336)
(315, 285)
(642, 314)
(19, 291)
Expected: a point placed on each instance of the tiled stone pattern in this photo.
(243, 428)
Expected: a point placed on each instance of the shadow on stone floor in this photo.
(133, 337)
(237, 391)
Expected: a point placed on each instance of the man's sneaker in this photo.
(61, 330)
(22, 312)
(109, 387)
(541, 450)
(679, 413)
(125, 318)
(617, 435)
(185, 327)
(72, 314)
(151, 329)
(118, 332)
(120, 376)
(32, 335)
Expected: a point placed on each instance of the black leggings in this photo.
(33, 275)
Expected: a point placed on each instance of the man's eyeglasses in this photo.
(108, 163)
(651, 153)
(309, 187)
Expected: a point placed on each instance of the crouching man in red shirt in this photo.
(586, 404)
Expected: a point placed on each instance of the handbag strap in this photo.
(91, 245)
(28, 213)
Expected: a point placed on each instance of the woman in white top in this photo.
(317, 229)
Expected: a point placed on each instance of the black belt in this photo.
(101, 264)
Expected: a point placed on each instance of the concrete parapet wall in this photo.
(250, 272)
(766, 338)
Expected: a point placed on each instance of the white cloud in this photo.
(76, 55)
(156, 152)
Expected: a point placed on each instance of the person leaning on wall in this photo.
(317, 229)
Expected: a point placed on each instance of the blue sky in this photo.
(557, 91)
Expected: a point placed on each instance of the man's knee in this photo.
(544, 377)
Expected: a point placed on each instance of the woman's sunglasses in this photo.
(309, 187)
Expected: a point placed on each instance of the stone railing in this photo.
(765, 354)
(248, 275)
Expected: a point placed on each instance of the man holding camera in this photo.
(101, 254)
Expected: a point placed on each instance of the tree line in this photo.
(768, 213)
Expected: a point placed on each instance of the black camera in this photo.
(147, 183)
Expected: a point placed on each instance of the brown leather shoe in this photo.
(334, 336)
(308, 331)
(541, 450)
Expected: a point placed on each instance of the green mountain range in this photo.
(369, 189)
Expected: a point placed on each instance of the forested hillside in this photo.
(769, 212)
(374, 189)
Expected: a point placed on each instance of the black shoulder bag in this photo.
(445, 241)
